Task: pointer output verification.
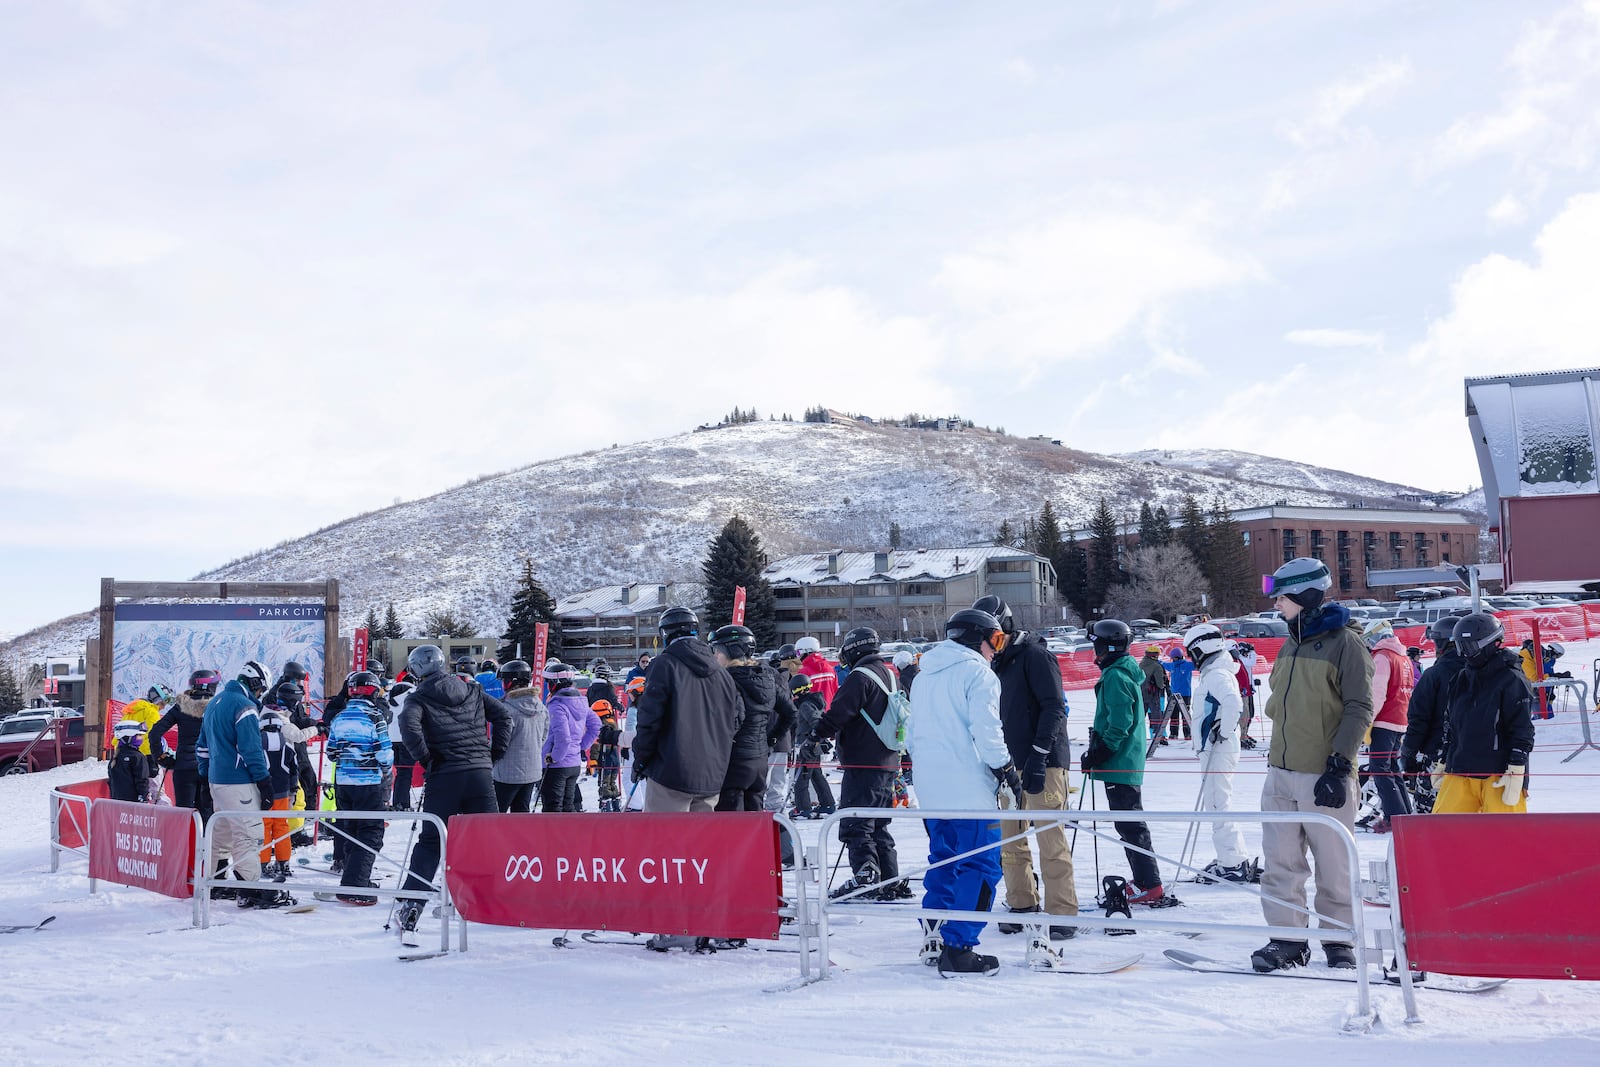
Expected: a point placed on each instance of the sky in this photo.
(267, 265)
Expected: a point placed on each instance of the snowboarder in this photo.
(1218, 711)
(520, 768)
(1488, 731)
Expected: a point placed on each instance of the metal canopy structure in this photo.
(1537, 437)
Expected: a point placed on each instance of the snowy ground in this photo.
(122, 973)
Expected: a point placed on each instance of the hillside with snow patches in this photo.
(644, 512)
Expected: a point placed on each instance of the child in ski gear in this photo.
(1115, 756)
(129, 769)
(279, 737)
(1320, 708)
(147, 712)
(608, 758)
(573, 728)
(1488, 731)
(962, 764)
(1218, 710)
(518, 772)
(824, 681)
(746, 778)
(808, 709)
(358, 743)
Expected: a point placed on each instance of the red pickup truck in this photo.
(31, 742)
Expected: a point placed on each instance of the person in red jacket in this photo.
(824, 682)
(1392, 682)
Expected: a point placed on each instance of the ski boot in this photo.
(932, 943)
(1154, 897)
(1015, 928)
(963, 961)
(866, 876)
(1340, 957)
(406, 915)
(668, 942)
(1278, 955)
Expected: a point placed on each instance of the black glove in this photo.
(169, 761)
(638, 771)
(265, 788)
(827, 748)
(1333, 787)
(1033, 772)
(1006, 777)
(1095, 756)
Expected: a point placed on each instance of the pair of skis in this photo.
(22, 928)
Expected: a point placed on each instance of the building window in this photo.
(1246, 536)
(789, 615)
(1005, 566)
(924, 588)
(790, 592)
(874, 589)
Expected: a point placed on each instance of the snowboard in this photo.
(411, 957)
(1069, 966)
(23, 927)
(333, 898)
(599, 937)
(1443, 983)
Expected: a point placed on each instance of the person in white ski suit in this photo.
(1217, 711)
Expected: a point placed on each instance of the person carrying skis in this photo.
(1320, 708)
(520, 768)
(1488, 732)
(962, 764)
(1218, 710)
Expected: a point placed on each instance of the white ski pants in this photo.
(1217, 764)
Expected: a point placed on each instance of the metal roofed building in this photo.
(618, 621)
(1537, 436)
(906, 592)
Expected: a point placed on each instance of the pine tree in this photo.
(1072, 577)
(1047, 539)
(1192, 529)
(10, 691)
(894, 535)
(391, 624)
(1164, 524)
(1005, 536)
(447, 623)
(1105, 571)
(1151, 533)
(530, 605)
(733, 558)
(372, 626)
(1228, 571)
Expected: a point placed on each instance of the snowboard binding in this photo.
(1114, 899)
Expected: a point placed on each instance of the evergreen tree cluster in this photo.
(738, 417)
(816, 414)
(734, 558)
(531, 604)
(11, 700)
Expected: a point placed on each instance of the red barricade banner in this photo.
(72, 823)
(707, 875)
(1555, 624)
(147, 846)
(1500, 896)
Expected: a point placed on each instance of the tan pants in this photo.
(1285, 846)
(238, 838)
(1055, 859)
(658, 797)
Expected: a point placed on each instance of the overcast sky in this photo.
(263, 266)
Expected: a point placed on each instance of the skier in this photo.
(189, 789)
(630, 726)
(1180, 675)
(1320, 708)
(488, 676)
(278, 737)
(602, 687)
(1425, 714)
(808, 709)
(745, 785)
(1154, 686)
(906, 664)
(294, 673)
(1033, 718)
(573, 728)
(1392, 686)
(455, 732)
(358, 742)
(129, 769)
(1115, 755)
(1244, 653)
(236, 768)
(641, 667)
(520, 768)
(824, 682)
(962, 763)
(1488, 731)
(608, 760)
(1218, 711)
(688, 714)
(869, 765)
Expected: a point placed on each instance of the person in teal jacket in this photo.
(1115, 755)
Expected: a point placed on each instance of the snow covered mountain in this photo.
(644, 512)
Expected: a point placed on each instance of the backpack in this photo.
(891, 730)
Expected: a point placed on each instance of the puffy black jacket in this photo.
(859, 747)
(808, 710)
(1488, 716)
(758, 690)
(444, 728)
(1033, 710)
(186, 714)
(687, 716)
(1425, 713)
(599, 690)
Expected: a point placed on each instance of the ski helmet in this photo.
(1375, 630)
(466, 665)
(999, 609)
(787, 652)
(130, 732)
(363, 684)
(1111, 639)
(799, 685)
(736, 642)
(806, 646)
(1443, 631)
(556, 671)
(1479, 634)
(1556, 649)
(293, 672)
(255, 676)
(903, 659)
(858, 645)
(677, 622)
(287, 694)
(425, 661)
(1204, 640)
(159, 694)
(377, 668)
(971, 628)
(516, 674)
(488, 665)
(1303, 580)
(1413, 651)
(204, 681)
(635, 687)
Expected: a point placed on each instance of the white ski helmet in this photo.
(1202, 640)
(1375, 630)
(807, 645)
(131, 731)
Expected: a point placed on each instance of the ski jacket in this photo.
(1321, 700)
(231, 734)
(491, 684)
(1180, 675)
(129, 774)
(145, 714)
(1033, 709)
(1154, 681)
(859, 747)
(1425, 714)
(1488, 716)
(523, 760)
(1530, 666)
(908, 676)
(765, 710)
(1119, 721)
(573, 728)
(808, 711)
(688, 714)
(282, 766)
(450, 725)
(955, 736)
(1392, 684)
(186, 714)
(599, 690)
(1242, 676)
(1218, 705)
(824, 681)
(358, 742)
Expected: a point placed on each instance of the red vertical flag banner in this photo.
(541, 646)
(358, 651)
(738, 605)
(148, 846)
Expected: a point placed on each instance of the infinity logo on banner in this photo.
(529, 867)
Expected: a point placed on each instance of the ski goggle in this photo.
(997, 640)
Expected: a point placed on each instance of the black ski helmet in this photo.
(292, 672)
(736, 642)
(363, 684)
(858, 644)
(1111, 639)
(516, 674)
(1443, 631)
(204, 681)
(1479, 635)
(799, 684)
(425, 661)
(999, 609)
(466, 665)
(971, 627)
(786, 651)
(677, 622)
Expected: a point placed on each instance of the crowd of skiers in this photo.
(707, 725)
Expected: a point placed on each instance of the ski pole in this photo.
(1191, 837)
(405, 863)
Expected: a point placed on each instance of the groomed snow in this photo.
(121, 976)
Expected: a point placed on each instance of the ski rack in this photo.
(1085, 820)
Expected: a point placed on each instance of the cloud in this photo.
(1333, 104)
(1335, 338)
(1508, 211)
(1333, 150)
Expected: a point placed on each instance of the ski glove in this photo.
(1006, 778)
(1033, 772)
(638, 771)
(1333, 788)
(265, 788)
(1436, 775)
(1095, 756)
(1511, 782)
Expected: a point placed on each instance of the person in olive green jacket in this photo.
(1321, 708)
(1115, 755)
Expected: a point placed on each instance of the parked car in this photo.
(1252, 628)
(29, 742)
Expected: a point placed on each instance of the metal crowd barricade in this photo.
(806, 919)
(1582, 689)
(439, 892)
(1331, 930)
(69, 802)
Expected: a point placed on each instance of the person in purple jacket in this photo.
(573, 728)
